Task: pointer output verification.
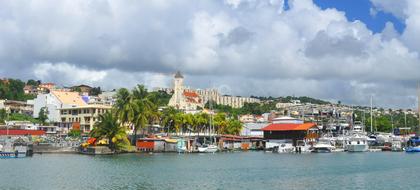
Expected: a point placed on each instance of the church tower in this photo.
(178, 87)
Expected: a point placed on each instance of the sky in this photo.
(333, 50)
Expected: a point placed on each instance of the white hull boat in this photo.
(208, 149)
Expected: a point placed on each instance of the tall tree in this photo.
(108, 127)
(43, 115)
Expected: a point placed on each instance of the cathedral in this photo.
(183, 98)
(189, 99)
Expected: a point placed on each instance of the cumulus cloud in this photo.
(249, 47)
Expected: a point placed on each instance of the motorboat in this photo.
(323, 146)
(15, 148)
(284, 148)
(208, 148)
(357, 143)
(413, 145)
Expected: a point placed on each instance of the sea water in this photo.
(240, 170)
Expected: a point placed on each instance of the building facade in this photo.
(12, 106)
(54, 101)
(83, 116)
(183, 98)
(190, 99)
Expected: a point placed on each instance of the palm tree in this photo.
(108, 127)
(168, 118)
(144, 109)
(124, 107)
(201, 121)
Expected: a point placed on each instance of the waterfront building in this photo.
(12, 106)
(290, 131)
(54, 101)
(190, 99)
(84, 117)
(253, 129)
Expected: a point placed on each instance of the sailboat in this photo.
(209, 148)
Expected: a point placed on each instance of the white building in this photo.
(189, 99)
(54, 101)
(183, 98)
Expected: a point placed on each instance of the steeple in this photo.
(178, 75)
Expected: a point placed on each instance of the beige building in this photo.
(189, 99)
(183, 98)
(83, 116)
(232, 101)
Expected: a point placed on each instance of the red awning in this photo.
(21, 132)
(288, 127)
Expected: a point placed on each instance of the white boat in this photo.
(323, 145)
(208, 149)
(357, 143)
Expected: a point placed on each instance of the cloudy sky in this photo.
(334, 50)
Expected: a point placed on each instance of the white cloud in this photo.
(254, 47)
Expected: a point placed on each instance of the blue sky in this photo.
(361, 10)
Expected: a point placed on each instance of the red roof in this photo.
(21, 132)
(288, 127)
(190, 94)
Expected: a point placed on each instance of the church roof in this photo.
(178, 75)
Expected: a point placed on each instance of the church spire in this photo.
(178, 75)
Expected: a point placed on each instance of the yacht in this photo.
(324, 145)
(357, 143)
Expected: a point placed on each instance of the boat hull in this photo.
(413, 149)
(12, 154)
(357, 148)
(209, 149)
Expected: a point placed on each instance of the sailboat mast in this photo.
(371, 113)
(418, 107)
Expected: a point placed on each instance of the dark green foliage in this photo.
(161, 98)
(95, 91)
(3, 116)
(43, 116)
(33, 82)
(74, 133)
(13, 90)
(21, 117)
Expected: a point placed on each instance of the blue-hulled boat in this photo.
(413, 149)
(414, 145)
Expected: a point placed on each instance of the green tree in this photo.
(108, 127)
(234, 127)
(43, 116)
(3, 116)
(95, 91)
(74, 133)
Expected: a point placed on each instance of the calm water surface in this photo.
(242, 170)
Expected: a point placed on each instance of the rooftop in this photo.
(289, 127)
(69, 98)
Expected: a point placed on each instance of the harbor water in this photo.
(241, 170)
